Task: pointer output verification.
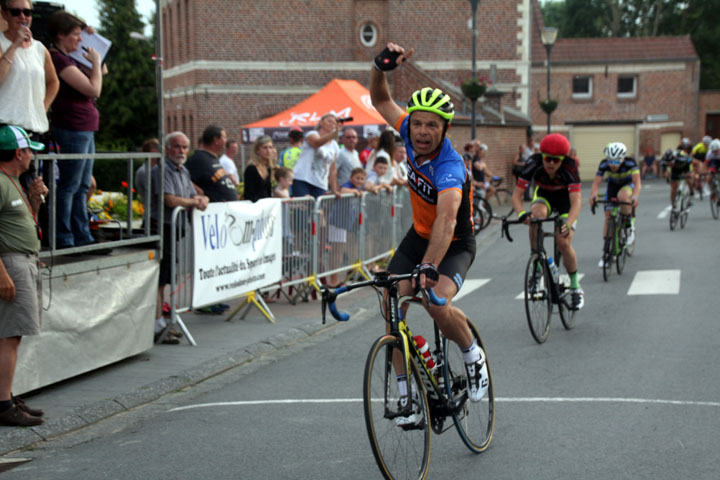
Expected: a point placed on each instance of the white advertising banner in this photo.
(238, 249)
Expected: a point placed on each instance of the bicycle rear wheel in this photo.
(538, 304)
(400, 451)
(478, 219)
(714, 199)
(487, 213)
(608, 250)
(684, 205)
(620, 252)
(475, 421)
(567, 316)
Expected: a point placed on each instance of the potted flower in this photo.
(548, 105)
(474, 89)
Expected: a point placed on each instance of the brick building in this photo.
(251, 59)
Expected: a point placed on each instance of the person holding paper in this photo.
(74, 120)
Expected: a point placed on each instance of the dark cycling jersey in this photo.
(566, 177)
(445, 172)
(623, 175)
(680, 164)
(478, 175)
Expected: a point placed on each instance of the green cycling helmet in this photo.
(432, 100)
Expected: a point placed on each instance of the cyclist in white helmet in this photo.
(623, 183)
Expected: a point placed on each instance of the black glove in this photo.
(430, 271)
(386, 60)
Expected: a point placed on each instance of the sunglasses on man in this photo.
(551, 158)
(15, 12)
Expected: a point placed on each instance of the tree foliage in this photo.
(128, 105)
(641, 18)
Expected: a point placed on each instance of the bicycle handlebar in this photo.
(613, 201)
(506, 223)
(329, 295)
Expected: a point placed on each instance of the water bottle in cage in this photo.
(553, 269)
(425, 351)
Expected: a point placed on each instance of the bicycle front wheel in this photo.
(401, 447)
(538, 301)
(475, 421)
(567, 316)
(714, 200)
(607, 250)
(620, 251)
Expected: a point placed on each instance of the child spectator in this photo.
(356, 184)
(284, 177)
(374, 182)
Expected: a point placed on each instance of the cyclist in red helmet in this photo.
(557, 189)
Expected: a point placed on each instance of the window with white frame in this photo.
(368, 34)
(627, 86)
(582, 86)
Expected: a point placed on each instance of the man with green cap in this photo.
(20, 283)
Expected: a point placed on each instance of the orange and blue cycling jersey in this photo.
(444, 173)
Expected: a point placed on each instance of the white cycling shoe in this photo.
(478, 380)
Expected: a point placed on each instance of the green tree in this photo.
(128, 105)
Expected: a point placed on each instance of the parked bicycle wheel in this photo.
(620, 252)
(401, 447)
(487, 212)
(475, 422)
(478, 220)
(538, 304)
(503, 196)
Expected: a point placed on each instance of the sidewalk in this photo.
(221, 345)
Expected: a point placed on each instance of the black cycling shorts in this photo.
(554, 200)
(454, 265)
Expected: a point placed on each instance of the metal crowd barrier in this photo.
(378, 224)
(181, 270)
(297, 251)
(403, 214)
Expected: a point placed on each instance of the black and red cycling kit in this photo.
(555, 190)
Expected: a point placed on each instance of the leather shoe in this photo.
(168, 340)
(19, 403)
(14, 417)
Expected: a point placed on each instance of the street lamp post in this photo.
(474, 5)
(548, 35)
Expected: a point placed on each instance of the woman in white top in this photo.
(386, 149)
(316, 166)
(28, 82)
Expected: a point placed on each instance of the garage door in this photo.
(591, 141)
(669, 141)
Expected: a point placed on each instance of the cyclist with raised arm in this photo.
(623, 184)
(678, 164)
(440, 245)
(557, 189)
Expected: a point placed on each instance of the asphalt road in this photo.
(631, 392)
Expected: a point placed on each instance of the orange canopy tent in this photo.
(344, 98)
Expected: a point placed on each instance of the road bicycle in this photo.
(681, 205)
(482, 209)
(437, 385)
(714, 185)
(615, 246)
(543, 286)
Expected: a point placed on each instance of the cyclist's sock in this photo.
(574, 282)
(402, 384)
(472, 353)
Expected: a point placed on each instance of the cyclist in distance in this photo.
(698, 154)
(440, 245)
(623, 184)
(557, 189)
(712, 159)
(679, 163)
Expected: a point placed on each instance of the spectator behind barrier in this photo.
(74, 120)
(288, 157)
(20, 284)
(284, 178)
(316, 167)
(228, 160)
(258, 174)
(178, 191)
(150, 145)
(385, 149)
(347, 158)
(206, 170)
(28, 82)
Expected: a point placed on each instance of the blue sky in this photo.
(87, 10)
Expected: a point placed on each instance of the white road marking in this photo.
(665, 212)
(470, 286)
(646, 401)
(655, 282)
(563, 278)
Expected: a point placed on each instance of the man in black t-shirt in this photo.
(206, 170)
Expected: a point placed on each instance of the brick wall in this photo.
(709, 103)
